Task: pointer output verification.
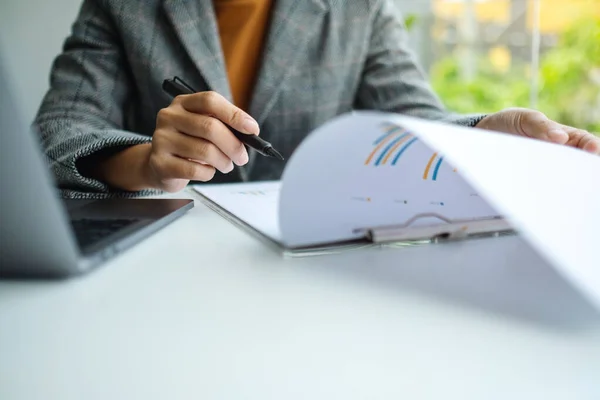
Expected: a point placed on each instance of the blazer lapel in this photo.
(195, 24)
(292, 25)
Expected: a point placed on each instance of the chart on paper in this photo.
(395, 176)
(394, 144)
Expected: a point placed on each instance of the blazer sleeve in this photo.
(82, 114)
(392, 80)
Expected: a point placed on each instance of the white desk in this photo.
(201, 310)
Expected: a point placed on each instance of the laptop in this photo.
(43, 236)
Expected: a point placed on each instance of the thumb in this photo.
(536, 125)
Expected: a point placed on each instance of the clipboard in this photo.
(409, 234)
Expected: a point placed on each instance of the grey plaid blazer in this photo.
(322, 58)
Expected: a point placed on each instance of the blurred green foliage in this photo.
(569, 89)
(410, 21)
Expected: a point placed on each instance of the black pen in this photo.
(177, 86)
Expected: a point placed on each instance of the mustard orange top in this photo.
(242, 26)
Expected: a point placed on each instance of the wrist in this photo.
(126, 170)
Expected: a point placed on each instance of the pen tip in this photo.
(274, 153)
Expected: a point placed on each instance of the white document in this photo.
(255, 204)
(366, 170)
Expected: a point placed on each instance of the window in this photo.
(485, 55)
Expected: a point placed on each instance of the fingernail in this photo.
(229, 168)
(592, 147)
(243, 158)
(558, 135)
(250, 126)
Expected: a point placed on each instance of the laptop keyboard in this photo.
(91, 231)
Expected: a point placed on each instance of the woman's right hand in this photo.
(190, 142)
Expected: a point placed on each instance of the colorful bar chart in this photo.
(389, 148)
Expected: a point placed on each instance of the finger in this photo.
(189, 147)
(205, 127)
(212, 103)
(592, 144)
(536, 125)
(583, 140)
(172, 167)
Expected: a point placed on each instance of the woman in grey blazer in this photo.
(108, 128)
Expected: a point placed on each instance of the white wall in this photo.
(31, 35)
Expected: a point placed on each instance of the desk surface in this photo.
(201, 310)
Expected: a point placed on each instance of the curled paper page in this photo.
(366, 171)
(343, 177)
